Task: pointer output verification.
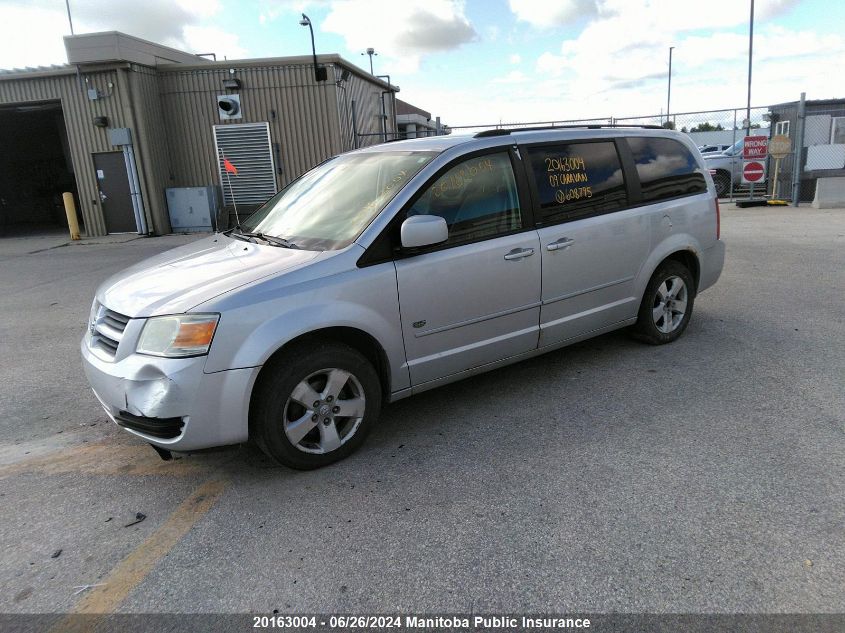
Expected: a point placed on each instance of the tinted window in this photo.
(577, 179)
(477, 198)
(666, 168)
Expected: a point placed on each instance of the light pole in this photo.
(669, 89)
(320, 74)
(69, 19)
(750, 51)
(371, 51)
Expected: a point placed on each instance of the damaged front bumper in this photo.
(171, 402)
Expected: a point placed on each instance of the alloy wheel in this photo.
(670, 304)
(324, 411)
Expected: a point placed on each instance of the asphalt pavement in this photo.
(703, 476)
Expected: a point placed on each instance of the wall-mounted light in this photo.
(101, 121)
(232, 84)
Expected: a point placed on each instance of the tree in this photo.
(707, 127)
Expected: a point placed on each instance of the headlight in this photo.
(178, 335)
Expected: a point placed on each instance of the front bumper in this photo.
(213, 408)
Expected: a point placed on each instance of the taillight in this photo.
(718, 220)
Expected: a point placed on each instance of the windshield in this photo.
(329, 206)
(736, 148)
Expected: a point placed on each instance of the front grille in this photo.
(107, 330)
(115, 320)
(163, 428)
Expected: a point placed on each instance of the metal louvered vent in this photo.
(247, 147)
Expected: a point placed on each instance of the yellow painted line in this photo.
(134, 568)
(106, 457)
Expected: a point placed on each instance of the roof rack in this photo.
(589, 126)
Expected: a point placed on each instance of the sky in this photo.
(478, 62)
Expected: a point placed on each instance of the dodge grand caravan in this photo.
(393, 269)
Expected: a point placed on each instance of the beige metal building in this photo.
(126, 120)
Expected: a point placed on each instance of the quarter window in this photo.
(666, 168)
(576, 180)
(477, 198)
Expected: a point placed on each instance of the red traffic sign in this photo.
(753, 171)
(755, 147)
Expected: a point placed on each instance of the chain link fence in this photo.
(810, 144)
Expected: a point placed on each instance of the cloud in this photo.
(621, 56)
(545, 14)
(31, 32)
(515, 59)
(411, 29)
(428, 33)
(19, 48)
(207, 39)
(513, 77)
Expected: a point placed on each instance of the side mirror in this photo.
(424, 230)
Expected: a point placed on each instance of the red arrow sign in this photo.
(753, 171)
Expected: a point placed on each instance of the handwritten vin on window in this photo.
(564, 171)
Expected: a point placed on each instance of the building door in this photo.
(113, 187)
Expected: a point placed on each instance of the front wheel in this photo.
(314, 405)
(667, 304)
(723, 184)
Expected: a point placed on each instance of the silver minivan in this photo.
(387, 271)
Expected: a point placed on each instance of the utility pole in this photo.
(669, 90)
(69, 19)
(750, 55)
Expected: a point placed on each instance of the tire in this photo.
(298, 405)
(660, 321)
(723, 184)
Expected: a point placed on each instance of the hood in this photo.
(177, 280)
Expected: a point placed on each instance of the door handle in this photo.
(562, 243)
(519, 253)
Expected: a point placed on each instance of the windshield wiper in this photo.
(270, 239)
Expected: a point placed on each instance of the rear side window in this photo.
(666, 169)
(575, 180)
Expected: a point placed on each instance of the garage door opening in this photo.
(35, 169)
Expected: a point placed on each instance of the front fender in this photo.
(256, 324)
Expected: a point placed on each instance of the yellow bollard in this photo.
(70, 211)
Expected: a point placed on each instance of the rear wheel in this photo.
(315, 405)
(723, 184)
(667, 304)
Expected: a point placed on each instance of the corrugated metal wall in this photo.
(83, 137)
(367, 98)
(151, 144)
(172, 111)
(302, 115)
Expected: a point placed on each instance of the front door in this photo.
(475, 299)
(113, 189)
(592, 243)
